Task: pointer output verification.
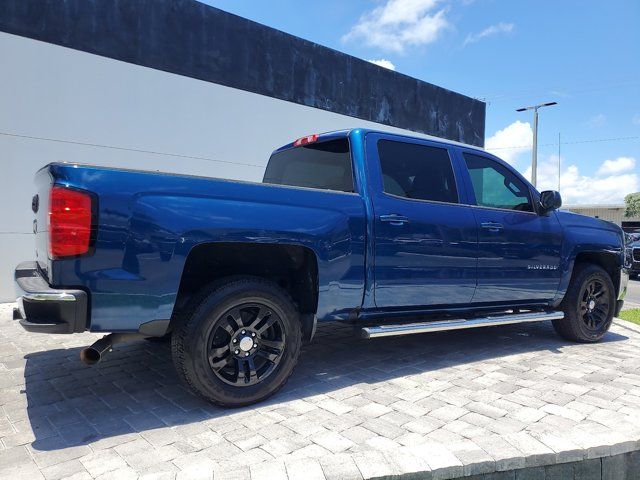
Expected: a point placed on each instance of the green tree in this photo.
(632, 202)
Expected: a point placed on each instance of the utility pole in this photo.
(559, 162)
(534, 150)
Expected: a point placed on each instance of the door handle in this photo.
(394, 219)
(492, 226)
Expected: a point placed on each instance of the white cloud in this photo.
(605, 187)
(383, 63)
(511, 142)
(614, 179)
(597, 120)
(618, 165)
(489, 32)
(400, 23)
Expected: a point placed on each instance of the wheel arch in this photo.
(608, 261)
(293, 267)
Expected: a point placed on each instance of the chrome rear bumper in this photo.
(44, 309)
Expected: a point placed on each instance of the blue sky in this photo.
(583, 54)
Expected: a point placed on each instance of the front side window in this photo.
(417, 171)
(496, 186)
(323, 165)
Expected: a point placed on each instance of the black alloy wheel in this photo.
(594, 304)
(246, 344)
(238, 341)
(588, 305)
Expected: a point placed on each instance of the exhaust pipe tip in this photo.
(90, 356)
(94, 353)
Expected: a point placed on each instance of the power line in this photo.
(178, 155)
(561, 92)
(151, 152)
(597, 140)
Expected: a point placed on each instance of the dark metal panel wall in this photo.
(189, 38)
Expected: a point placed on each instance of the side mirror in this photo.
(550, 200)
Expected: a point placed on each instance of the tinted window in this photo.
(417, 171)
(496, 186)
(325, 165)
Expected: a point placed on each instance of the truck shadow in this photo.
(135, 389)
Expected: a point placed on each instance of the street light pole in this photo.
(534, 150)
(559, 162)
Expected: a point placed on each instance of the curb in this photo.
(604, 460)
(626, 324)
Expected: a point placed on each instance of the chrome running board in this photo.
(458, 324)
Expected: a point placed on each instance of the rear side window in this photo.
(417, 171)
(324, 165)
(496, 186)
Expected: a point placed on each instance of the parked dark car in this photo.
(634, 269)
(401, 235)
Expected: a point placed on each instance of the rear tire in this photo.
(163, 339)
(238, 342)
(588, 305)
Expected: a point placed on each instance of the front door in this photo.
(518, 249)
(425, 240)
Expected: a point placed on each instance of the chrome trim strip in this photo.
(458, 324)
(46, 297)
(398, 197)
(483, 207)
(624, 283)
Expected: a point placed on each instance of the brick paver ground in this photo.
(455, 403)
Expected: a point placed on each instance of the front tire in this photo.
(238, 343)
(589, 305)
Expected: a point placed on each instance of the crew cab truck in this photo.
(401, 235)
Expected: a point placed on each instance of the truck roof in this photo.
(363, 131)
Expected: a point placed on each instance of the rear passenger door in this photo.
(518, 249)
(425, 240)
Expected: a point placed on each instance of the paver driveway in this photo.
(452, 403)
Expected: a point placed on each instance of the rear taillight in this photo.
(70, 217)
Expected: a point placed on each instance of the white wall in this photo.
(56, 93)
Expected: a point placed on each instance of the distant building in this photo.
(611, 213)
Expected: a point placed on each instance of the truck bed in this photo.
(148, 222)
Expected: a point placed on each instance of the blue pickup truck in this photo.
(395, 234)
